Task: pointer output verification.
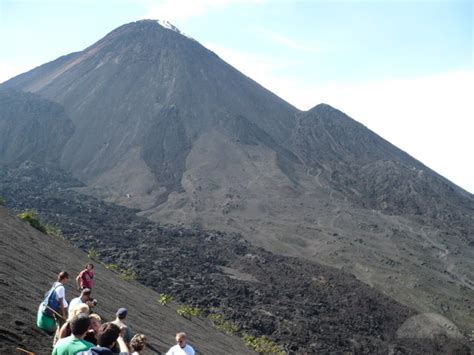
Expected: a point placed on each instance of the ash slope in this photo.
(29, 262)
(306, 307)
(32, 128)
(163, 125)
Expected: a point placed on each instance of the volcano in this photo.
(150, 119)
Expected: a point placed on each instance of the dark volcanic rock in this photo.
(306, 307)
(29, 263)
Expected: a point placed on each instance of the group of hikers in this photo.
(78, 330)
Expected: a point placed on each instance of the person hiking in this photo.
(110, 334)
(93, 332)
(74, 343)
(84, 298)
(181, 348)
(120, 321)
(84, 279)
(60, 294)
(137, 344)
(74, 311)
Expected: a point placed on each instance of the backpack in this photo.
(45, 322)
(51, 302)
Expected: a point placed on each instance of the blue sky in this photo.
(402, 68)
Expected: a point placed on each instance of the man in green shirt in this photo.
(75, 343)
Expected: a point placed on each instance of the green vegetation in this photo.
(164, 299)
(225, 326)
(471, 336)
(32, 219)
(188, 311)
(124, 274)
(214, 318)
(54, 232)
(111, 267)
(128, 275)
(262, 345)
(93, 254)
(2, 201)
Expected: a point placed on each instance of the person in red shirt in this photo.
(84, 279)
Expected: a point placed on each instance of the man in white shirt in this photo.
(84, 298)
(181, 348)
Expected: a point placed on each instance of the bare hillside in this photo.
(29, 262)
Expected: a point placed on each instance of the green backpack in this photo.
(45, 322)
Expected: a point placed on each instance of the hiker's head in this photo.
(121, 313)
(96, 322)
(79, 309)
(108, 334)
(181, 339)
(63, 276)
(89, 266)
(86, 294)
(138, 342)
(80, 325)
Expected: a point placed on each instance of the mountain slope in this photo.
(304, 306)
(26, 273)
(165, 126)
(142, 82)
(31, 128)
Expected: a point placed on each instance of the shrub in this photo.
(215, 318)
(111, 267)
(164, 299)
(2, 201)
(262, 345)
(187, 311)
(128, 275)
(54, 232)
(225, 326)
(93, 254)
(471, 336)
(31, 218)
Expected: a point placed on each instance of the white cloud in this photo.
(180, 10)
(267, 34)
(9, 69)
(250, 63)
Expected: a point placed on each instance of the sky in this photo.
(402, 68)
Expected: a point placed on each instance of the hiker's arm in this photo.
(77, 281)
(62, 331)
(63, 311)
(123, 348)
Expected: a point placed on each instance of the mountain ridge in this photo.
(165, 126)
